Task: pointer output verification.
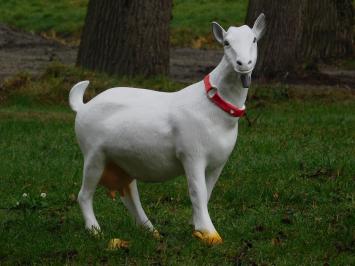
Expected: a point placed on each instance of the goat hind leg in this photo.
(131, 200)
(93, 167)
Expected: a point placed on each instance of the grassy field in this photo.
(65, 19)
(286, 196)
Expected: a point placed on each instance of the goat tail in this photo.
(76, 95)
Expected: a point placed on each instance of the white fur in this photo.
(155, 136)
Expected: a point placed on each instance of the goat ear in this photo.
(259, 26)
(218, 32)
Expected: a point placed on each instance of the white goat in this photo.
(129, 134)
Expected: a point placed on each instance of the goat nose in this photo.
(250, 62)
(239, 63)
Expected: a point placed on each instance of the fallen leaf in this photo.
(117, 243)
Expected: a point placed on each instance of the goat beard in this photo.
(246, 80)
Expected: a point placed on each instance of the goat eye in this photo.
(254, 40)
(226, 43)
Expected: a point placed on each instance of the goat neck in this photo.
(228, 83)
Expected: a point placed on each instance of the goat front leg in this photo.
(204, 228)
(211, 180)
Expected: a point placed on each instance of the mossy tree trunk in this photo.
(126, 37)
(302, 32)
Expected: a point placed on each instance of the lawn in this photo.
(286, 196)
(65, 19)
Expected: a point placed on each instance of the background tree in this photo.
(302, 32)
(126, 37)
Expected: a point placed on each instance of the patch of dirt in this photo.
(190, 65)
(25, 52)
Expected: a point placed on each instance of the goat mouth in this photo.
(244, 72)
(246, 80)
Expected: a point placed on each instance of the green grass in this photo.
(65, 17)
(197, 15)
(191, 19)
(286, 196)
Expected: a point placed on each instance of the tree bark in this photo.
(126, 37)
(301, 33)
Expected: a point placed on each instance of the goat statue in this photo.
(129, 134)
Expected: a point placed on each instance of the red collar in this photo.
(213, 95)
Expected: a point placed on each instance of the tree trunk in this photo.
(301, 33)
(126, 37)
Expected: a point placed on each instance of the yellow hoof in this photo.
(157, 235)
(208, 237)
(117, 243)
(96, 233)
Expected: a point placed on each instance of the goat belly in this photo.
(144, 149)
(148, 167)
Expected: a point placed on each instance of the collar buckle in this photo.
(213, 95)
(212, 92)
